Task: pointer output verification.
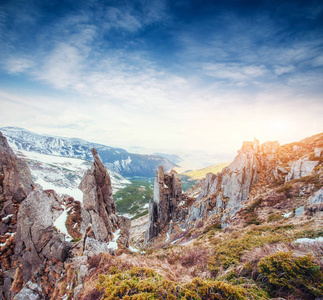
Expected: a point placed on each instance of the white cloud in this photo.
(279, 70)
(234, 71)
(120, 19)
(62, 68)
(15, 65)
(318, 61)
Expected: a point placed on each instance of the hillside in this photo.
(201, 173)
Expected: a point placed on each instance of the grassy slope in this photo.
(201, 173)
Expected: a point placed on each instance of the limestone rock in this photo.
(167, 196)
(15, 185)
(99, 209)
(16, 177)
(318, 197)
(301, 168)
(318, 152)
(36, 239)
(31, 291)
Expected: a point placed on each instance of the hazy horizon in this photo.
(194, 78)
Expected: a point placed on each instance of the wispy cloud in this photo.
(234, 71)
(16, 65)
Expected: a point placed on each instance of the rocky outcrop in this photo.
(301, 168)
(36, 238)
(15, 185)
(99, 218)
(167, 196)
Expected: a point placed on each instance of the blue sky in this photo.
(194, 78)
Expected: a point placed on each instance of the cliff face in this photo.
(254, 168)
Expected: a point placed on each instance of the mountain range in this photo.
(115, 159)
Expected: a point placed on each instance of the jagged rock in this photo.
(36, 239)
(31, 291)
(299, 211)
(163, 207)
(124, 225)
(99, 209)
(15, 175)
(94, 247)
(242, 174)
(210, 186)
(318, 152)
(15, 185)
(98, 203)
(318, 197)
(301, 168)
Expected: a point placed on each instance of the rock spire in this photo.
(167, 196)
(99, 209)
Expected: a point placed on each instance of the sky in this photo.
(192, 78)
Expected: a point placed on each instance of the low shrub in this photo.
(299, 275)
(274, 217)
(285, 188)
(144, 283)
(93, 295)
(213, 227)
(196, 256)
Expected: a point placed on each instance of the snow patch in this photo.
(113, 244)
(133, 249)
(307, 240)
(287, 215)
(60, 225)
(7, 217)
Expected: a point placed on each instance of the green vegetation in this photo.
(250, 214)
(144, 283)
(133, 199)
(201, 173)
(298, 275)
(228, 250)
(187, 182)
(275, 217)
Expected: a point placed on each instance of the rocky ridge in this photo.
(257, 172)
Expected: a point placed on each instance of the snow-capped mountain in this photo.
(115, 159)
(63, 174)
